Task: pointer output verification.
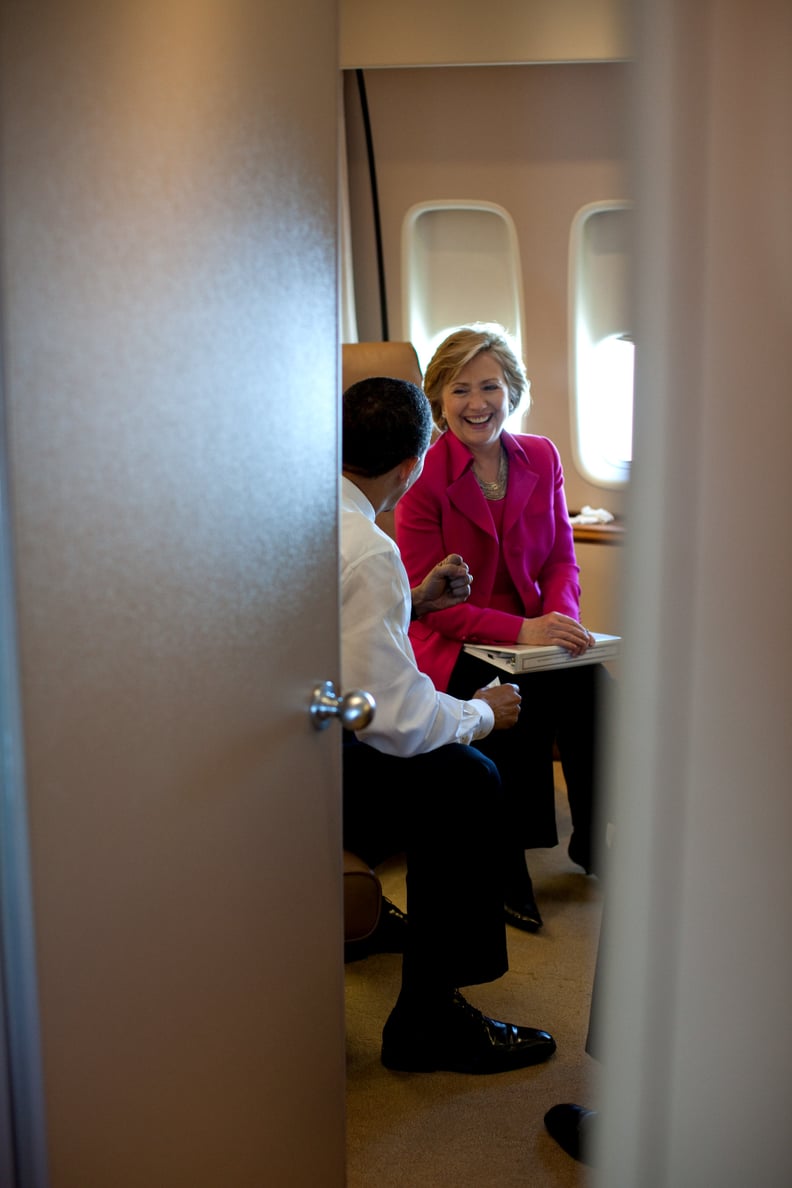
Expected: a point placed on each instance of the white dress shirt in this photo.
(412, 716)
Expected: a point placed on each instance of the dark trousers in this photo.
(444, 811)
(559, 706)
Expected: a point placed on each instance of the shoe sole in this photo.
(485, 1067)
(524, 925)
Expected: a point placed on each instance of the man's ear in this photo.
(407, 467)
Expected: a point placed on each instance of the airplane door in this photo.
(170, 374)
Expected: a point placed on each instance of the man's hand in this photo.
(504, 701)
(446, 585)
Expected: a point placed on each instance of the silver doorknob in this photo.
(355, 709)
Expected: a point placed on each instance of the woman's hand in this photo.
(556, 628)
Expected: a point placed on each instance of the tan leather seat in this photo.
(362, 898)
(360, 360)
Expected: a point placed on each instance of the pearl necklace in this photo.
(497, 489)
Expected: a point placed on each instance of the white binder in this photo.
(530, 657)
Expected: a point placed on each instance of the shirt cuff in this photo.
(487, 718)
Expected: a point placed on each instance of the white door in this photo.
(170, 375)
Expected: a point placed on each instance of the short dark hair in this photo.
(385, 421)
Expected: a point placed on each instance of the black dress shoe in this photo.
(388, 937)
(524, 915)
(458, 1038)
(571, 1127)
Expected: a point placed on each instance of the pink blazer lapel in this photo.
(522, 481)
(464, 493)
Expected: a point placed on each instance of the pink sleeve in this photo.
(559, 575)
(420, 540)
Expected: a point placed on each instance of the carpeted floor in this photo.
(426, 1130)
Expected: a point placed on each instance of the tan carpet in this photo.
(425, 1130)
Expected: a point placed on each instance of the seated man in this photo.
(411, 782)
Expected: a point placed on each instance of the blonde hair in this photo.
(457, 350)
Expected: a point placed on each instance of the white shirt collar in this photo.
(354, 495)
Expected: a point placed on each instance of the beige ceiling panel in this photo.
(379, 33)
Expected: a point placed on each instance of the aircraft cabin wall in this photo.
(539, 140)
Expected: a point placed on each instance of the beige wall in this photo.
(601, 578)
(541, 141)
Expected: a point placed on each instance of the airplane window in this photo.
(602, 347)
(613, 363)
(459, 257)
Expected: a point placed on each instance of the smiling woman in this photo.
(498, 500)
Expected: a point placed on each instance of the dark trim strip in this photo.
(374, 204)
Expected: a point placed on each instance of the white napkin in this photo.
(592, 515)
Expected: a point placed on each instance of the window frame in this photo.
(590, 460)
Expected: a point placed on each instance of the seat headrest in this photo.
(361, 360)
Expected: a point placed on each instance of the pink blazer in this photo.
(445, 512)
